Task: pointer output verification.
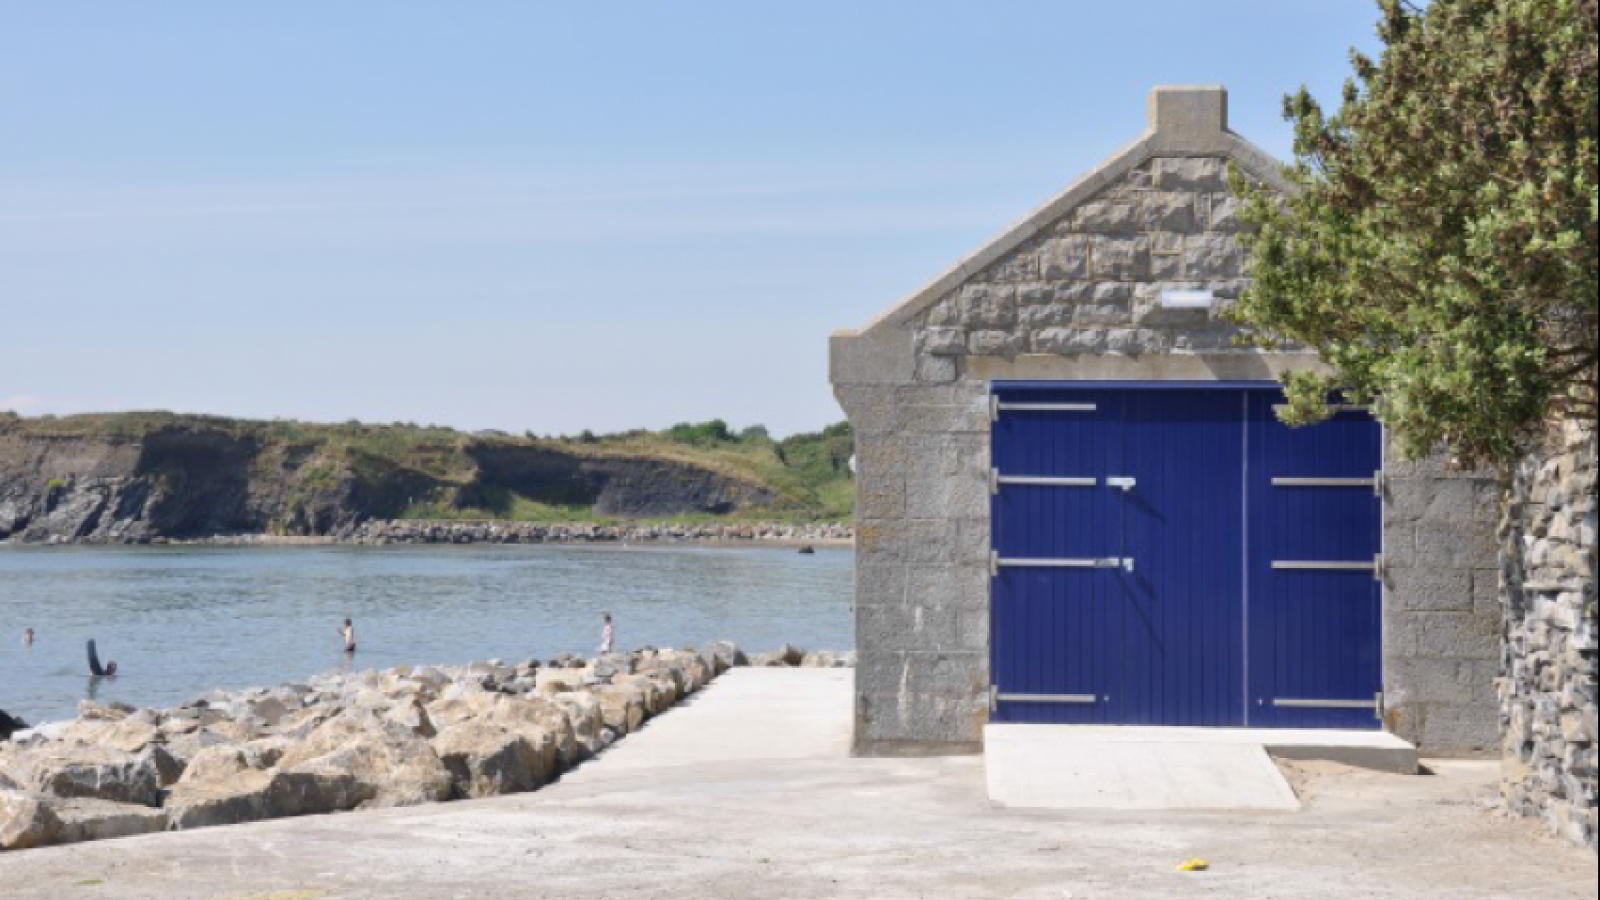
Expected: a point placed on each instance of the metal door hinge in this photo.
(1294, 703)
(1295, 565)
(1322, 482)
(1093, 562)
(997, 481)
(996, 407)
(1053, 699)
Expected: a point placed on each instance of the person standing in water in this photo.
(349, 634)
(608, 634)
(27, 637)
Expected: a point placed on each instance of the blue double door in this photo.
(1178, 556)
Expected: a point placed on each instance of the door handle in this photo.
(1122, 482)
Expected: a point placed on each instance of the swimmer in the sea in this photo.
(109, 670)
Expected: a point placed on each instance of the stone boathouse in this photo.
(1076, 504)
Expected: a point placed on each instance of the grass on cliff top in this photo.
(808, 473)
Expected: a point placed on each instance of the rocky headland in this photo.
(343, 741)
(140, 478)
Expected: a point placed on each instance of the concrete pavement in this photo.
(746, 793)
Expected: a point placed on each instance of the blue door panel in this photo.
(1316, 635)
(1184, 641)
(1056, 631)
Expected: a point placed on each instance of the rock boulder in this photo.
(27, 821)
(75, 771)
(486, 760)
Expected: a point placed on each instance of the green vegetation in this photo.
(1441, 253)
(810, 473)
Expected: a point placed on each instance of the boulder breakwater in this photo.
(400, 532)
(427, 531)
(343, 741)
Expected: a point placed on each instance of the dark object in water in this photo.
(808, 550)
(106, 671)
(10, 725)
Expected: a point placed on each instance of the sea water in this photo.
(180, 621)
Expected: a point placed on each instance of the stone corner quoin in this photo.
(1073, 292)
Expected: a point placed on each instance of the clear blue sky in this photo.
(550, 216)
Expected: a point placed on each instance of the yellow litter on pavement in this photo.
(1194, 865)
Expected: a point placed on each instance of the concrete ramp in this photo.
(1118, 768)
(747, 715)
(1092, 768)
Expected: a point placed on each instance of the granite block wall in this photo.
(1441, 606)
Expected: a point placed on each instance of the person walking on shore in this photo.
(608, 634)
(349, 634)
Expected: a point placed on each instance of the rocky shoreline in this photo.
(343, 741)
(389, 532)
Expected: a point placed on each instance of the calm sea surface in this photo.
(181, 621)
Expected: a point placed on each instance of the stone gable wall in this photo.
(1092, 281)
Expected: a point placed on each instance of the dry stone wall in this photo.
(1548, 692)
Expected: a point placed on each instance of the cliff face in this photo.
(168, 483)
(191, 478)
